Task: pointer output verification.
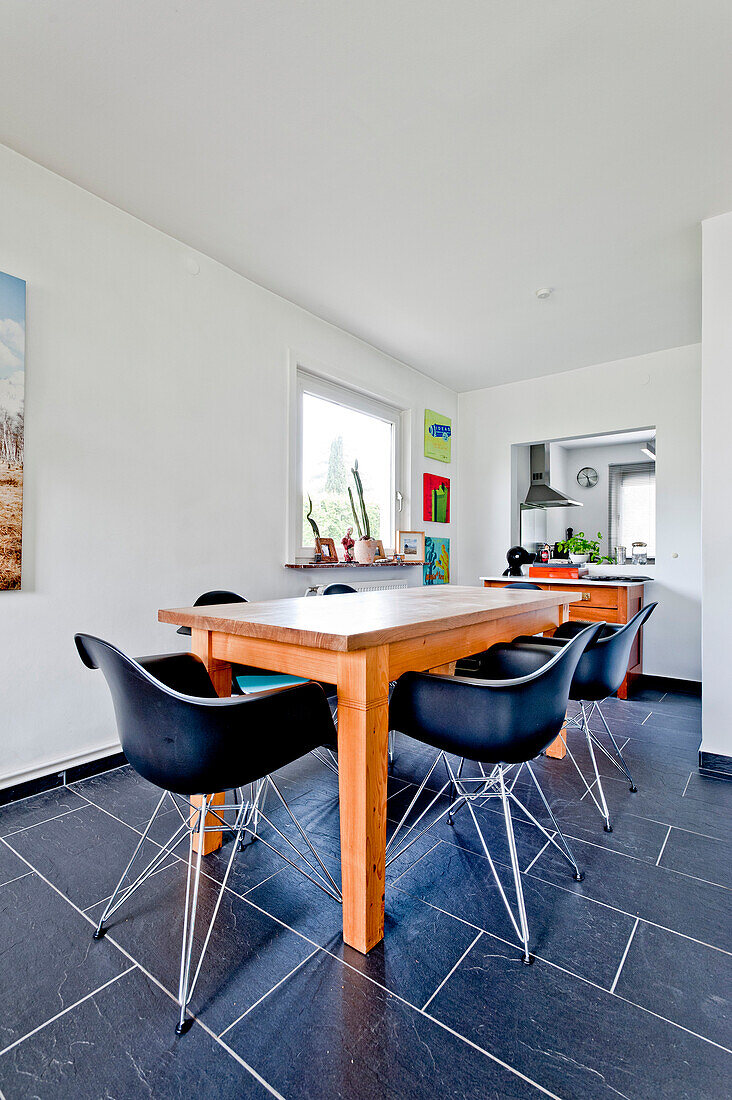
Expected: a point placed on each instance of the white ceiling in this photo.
(411, 170)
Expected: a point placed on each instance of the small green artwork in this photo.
(437, 436)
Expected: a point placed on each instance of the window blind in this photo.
(632, 505)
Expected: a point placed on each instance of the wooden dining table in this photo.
(361, 642)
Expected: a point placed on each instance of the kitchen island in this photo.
(611, 601)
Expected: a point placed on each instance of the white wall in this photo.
(593, 515)
(716, 464)
(156, 448)
(661, 389)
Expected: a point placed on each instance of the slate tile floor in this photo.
(628, 995)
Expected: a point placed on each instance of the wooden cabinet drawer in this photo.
(579, 612)
(591, 597)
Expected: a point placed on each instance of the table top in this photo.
(362, 619)
(568, 580)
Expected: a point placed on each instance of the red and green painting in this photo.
(436, 499)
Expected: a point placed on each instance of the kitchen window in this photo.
(335, 426)
(632, 506)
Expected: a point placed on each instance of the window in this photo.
(632, 505)
(337, 426)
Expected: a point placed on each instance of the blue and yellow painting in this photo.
(436, 569)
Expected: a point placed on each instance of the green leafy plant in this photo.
(366, 532)
(311, 521)
(579, 544)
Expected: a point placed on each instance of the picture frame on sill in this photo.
(410, 545)
(380, 552)
(326, 548)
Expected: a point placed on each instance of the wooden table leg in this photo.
(558, 749)
(220, 673)
(363, 731)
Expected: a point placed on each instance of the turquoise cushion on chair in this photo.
(250, 685)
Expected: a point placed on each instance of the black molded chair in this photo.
(337, 589)
(245, 679)
(523, 584)
(180, 736)
(599, 674)
(248, 680)
(504, 723)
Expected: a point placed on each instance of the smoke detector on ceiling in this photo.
(544, 292)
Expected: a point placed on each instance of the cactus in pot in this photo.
(365, 548)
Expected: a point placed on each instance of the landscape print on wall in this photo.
(12, 388)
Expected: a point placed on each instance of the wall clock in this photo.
(587, 477)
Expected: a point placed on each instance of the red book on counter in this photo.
(554, 571)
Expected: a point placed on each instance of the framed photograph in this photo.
(410, 545)
(436, 499)
(437, 561)
(437, 436)
(379, 550)
(326, 547)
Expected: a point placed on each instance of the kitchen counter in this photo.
(571, 580)
(610, 601)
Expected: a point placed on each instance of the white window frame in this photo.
(304, 381)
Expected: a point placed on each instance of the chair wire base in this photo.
(499, 783)
(581, 721)
(247, 817)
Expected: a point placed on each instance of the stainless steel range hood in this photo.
(541, 494)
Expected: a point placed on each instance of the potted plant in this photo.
(581, 549)
(364, 550)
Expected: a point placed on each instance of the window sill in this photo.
(352, 565)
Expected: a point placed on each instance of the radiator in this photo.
(363, 586)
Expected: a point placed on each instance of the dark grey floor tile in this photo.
(121, 1043)
(529, 839)
(82, 853)
(574, 1039)
(655, 894)
(40, 807)
(340, 1035)
(716, 793)
(248, 952)
(647, 695)
(11, 866)
(700, 856)
(686, 722)
(588, 939)
(581, 819)
(681, 980)
(48, 959)
(420, 944)
(123, 793)
(678, 704)
(631, 835)
(666, 807)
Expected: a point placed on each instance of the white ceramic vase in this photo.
(364, 551)
(579, 559)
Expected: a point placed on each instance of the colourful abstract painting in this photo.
(12, 389)
(436, 568)
(437, 436)
(436, 498)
